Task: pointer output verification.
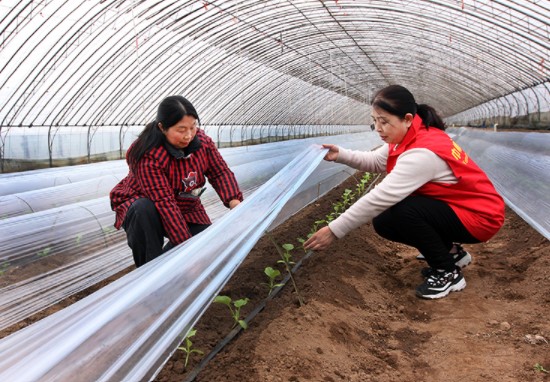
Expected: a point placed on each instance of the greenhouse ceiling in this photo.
(100, 63)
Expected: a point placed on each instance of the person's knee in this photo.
(144, 206)
(145, 211)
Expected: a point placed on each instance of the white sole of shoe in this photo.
(465, 261)
(453, 288)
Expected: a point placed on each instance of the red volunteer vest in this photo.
(473, 198)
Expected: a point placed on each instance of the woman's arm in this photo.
(413, 169)
(221, 177)
(370, 161)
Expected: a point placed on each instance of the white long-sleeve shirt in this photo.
(413, 169)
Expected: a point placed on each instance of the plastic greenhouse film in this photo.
(128, 329)
(51, 197)
(518, 164)
(38, 179)
(85, 260)
(22, 299)
(68, 231)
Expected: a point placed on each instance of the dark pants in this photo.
(427, 224)
(145, 232)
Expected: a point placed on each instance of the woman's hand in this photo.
(320, 239)
(332, 154)
(234, 203)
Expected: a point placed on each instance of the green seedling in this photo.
(4, 267)
(78, 238)
(362, 185)
(272, 274)
(286, 259)
(302, 241)
(540, 368)
(234, 308)
(108, 230)
(188, 348)
(314, 228)
(45, 252)
(347, 198)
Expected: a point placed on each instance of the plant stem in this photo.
(300, 301)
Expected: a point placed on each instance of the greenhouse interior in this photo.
(271, 82)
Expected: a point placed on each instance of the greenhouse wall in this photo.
(41, 146)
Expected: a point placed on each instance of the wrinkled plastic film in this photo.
(128, 329)
(518, 164)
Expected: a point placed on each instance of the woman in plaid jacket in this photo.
(168, 166)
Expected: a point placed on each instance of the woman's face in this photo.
(182, 133)
(391, 128)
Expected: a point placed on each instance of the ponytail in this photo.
(430, 117)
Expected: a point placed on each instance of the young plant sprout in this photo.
(540, 368)
(45, 252)
(234, 308)
(302, 241)
(272, 274)
(287, 261)
(362, 185)
(188, 348)
(3, 267)
(347, 198)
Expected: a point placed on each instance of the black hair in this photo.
(399, 101)
(171, 110)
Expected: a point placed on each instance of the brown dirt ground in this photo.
(362, 321)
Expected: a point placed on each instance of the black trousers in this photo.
(427, 224)
(145, 233)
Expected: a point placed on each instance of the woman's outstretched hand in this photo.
(332, 154)
(320, 239)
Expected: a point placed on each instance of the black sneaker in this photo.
(462, 260)
(440, 283)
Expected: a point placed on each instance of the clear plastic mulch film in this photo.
(127, 330)
(14, 183)
(518, 164)
(51, 254)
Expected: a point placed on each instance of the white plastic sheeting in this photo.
(44, 199)
(127, 330)
(13, 183)
(72, 141)
(518, 164)
(84, 248)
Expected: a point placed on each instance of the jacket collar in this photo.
(185, 153)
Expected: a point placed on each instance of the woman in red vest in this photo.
(169, 163)
(433, 197)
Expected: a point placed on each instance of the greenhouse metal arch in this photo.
(105, 64)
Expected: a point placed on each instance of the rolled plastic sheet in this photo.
(518, 164)
(90, 261)
(127, 330)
